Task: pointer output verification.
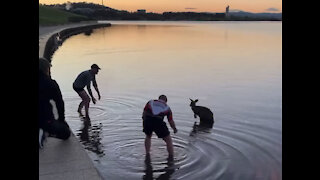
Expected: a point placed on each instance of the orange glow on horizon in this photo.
(183, 6)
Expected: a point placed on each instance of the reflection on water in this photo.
(200, 128)
(90, 136)
(165, 173)
(233, 68)
(88, 32)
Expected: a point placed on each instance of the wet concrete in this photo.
(65, 160)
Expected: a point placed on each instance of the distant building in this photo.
(141, 11)
(68, 6)
(227, 11)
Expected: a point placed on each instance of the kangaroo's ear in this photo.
(190, 99)
(196, 100)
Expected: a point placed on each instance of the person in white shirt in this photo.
(153, 115)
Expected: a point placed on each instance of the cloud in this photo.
(272, 9)
(190, 8)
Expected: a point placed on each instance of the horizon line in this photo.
(231, 11)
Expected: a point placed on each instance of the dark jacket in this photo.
(49, 90)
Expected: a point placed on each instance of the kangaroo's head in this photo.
(193, 102)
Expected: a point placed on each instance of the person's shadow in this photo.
(90, 137)
(168, 171)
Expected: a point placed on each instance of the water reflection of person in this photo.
(90, 137)
(169, 170)
(84, 135)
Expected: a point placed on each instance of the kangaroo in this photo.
(205, 114)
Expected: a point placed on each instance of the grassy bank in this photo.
(53, 16)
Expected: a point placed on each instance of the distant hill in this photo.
(99, 12)
(54, 16)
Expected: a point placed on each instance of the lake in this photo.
(233, 68)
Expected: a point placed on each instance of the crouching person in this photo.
(50, 96)
(153, 121)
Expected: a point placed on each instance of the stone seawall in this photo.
(57, 39)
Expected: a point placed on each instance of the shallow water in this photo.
(233, 68)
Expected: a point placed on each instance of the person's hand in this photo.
(94, 100)
(175, 130)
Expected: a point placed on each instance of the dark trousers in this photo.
(57, 129)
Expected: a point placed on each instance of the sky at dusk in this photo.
(160, 6)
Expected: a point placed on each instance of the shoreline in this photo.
(67, 159)
(48, 35)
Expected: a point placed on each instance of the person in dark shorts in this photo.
(50, 97)
(83, 80)
(153, 115)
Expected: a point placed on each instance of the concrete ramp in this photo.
(65, 160)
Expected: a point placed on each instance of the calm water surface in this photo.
(233, 68)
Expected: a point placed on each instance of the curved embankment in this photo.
(56, 39)
(58, 159)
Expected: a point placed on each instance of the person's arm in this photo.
(146, 110)
(57, 97)
(171, 122)
(90, 93)
(95, 85)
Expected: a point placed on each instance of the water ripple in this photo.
(231, 150)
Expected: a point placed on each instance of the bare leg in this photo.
(85, 102)
(80, 108)
(168, 141)
(147, 144)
